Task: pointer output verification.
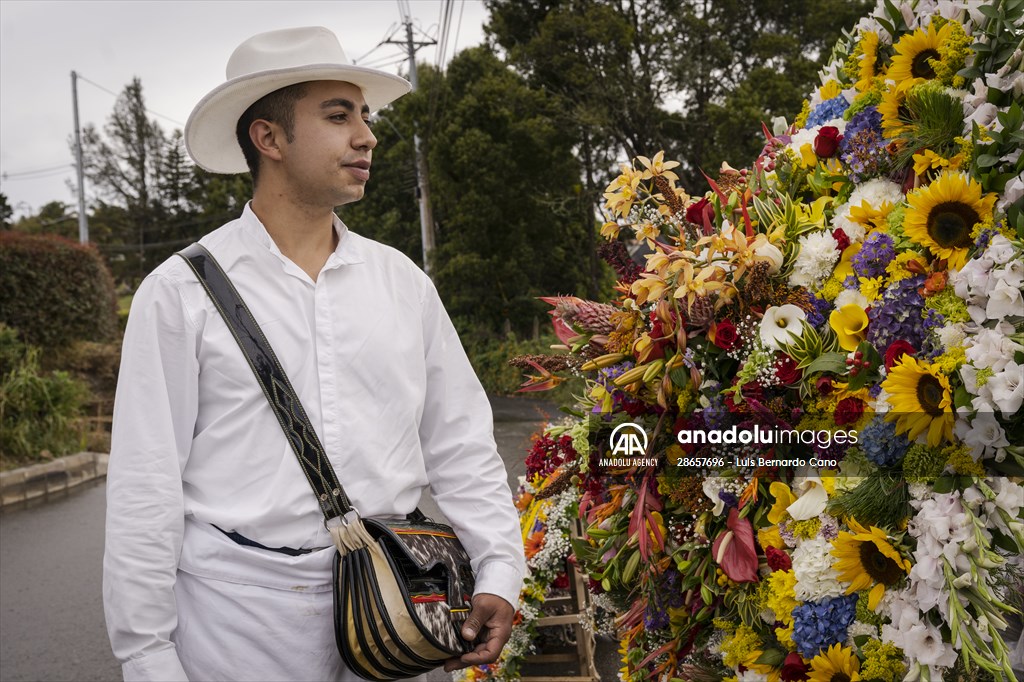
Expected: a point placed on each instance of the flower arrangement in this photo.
(826, 357)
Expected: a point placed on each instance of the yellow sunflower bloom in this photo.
(915, 52)
(894, 112)
(921, 400)
(867, 72)
(942, 215)
(867, 559)
(838, 664)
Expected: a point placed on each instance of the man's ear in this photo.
(266, 137)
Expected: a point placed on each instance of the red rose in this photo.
(695, 212)
(824, 385)
(786, 370)
(777, 559)
(794, 668)
(896, 351)
(827, 142)
(724, 335)
(849, 410)
(842, 240)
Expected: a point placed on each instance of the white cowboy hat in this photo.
(265, 63)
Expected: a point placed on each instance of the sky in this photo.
(178, 49)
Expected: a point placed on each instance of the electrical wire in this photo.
(16, 174)
(111, 92)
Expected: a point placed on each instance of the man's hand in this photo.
(493, 616)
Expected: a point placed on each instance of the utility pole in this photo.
(83, 220)
(422, 181)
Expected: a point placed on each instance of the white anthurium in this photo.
(778, 322)
(812, 500)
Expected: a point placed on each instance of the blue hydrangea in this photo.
(819, 625)
(828, 110)
(880, 443)
(874, 255)
(817, 316)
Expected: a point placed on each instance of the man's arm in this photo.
(154, 418)
(468, 478)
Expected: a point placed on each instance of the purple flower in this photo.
(875, 254)
(863, 148)
(899, 314)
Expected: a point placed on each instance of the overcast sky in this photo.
(178, 49)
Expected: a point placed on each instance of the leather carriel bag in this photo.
(402, 588)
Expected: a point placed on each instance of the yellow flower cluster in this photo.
(743, 648)
(951, 360)
(781, 595)
(959, 458)
(897, 269)
(882, 661)
(806, 530)
(953, 54)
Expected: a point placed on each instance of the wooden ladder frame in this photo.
(581, 608)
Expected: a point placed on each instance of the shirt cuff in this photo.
(500, 579)
(159, 666)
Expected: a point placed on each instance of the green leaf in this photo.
(987, 160)
(990, 11)
(944, 484)
(835, 363)
(772, 657)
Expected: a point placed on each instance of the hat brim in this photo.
(210, 129)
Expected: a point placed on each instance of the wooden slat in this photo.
(568, 619)
(551, 658)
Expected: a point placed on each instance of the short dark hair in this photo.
(277, 107)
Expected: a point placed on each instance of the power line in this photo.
(6, 175)
(40, 176)
(111, 92)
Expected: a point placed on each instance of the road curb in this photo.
(20, 487)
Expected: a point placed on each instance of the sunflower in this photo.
(895, 115)
(866, 69)
(921, 399)
(942, 215)
(838, 664)
(915, 52)
(867, 559)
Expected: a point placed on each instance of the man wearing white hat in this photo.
(217, 562)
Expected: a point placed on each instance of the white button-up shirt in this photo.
(383, 377)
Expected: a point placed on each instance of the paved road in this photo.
(51, 612)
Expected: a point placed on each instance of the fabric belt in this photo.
(246, 542)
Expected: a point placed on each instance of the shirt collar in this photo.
(348, 252)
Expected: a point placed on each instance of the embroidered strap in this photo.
(272, 379)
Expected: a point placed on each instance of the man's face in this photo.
(327, 163)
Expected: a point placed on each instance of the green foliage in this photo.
(55, 291)
(512, 223)
(37, 409)
(881, 500)
(693, 77)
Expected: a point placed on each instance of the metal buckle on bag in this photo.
(347, 519)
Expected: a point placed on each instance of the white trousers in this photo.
(228, 632)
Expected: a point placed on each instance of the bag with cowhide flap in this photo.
(402, 588)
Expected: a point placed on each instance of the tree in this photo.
(6, 212)
(52, 218)
(505, 192)
(693, 77)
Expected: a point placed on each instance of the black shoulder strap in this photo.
(272, 379)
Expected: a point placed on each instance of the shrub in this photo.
(38, 410)
(55, 291)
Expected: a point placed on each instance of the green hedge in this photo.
(38, 409)
(55, 291)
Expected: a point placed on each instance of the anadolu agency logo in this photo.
(628, 443)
